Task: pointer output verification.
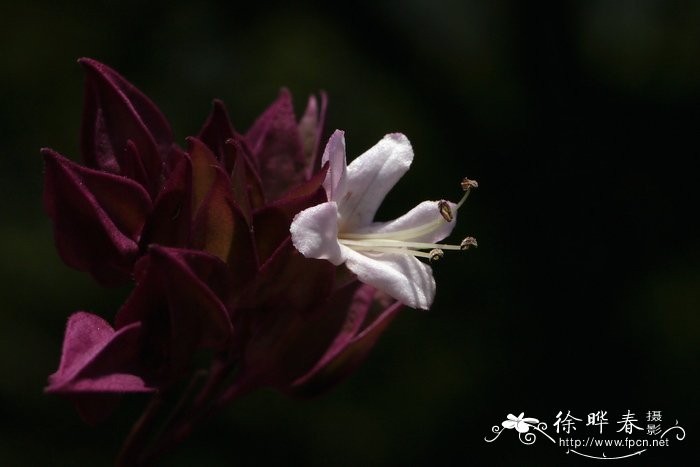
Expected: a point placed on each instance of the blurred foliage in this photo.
(579, 120)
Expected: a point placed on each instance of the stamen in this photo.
(396, 235)
(468, 184)
(405, 248)
(398, 251)
(468, 243)
(391, 243)
(400, 241)
(436, 255)
(445, 210)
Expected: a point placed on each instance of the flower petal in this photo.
(508, 424)
(335, 183)
(371, 176)
(315, 233)
(403, 277)
(424, 214)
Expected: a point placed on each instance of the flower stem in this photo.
(138, 436)
(179, 425)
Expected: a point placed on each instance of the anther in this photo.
(445, 210)
(468, 243)
(436, 255)
(469, 184)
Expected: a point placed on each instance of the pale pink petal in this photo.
(370, 177)
(335, 182)
(403, 277)
(315, 233)
(424, 214)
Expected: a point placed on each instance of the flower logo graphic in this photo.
(522, 425)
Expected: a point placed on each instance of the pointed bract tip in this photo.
(90, 63)
(50, 155)
(218, 106)
(311, 105)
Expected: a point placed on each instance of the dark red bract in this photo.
(203, 234)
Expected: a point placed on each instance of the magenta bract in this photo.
(204, 235)
(99, 364)
(98, 217)
(123, 131)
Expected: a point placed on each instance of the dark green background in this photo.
(581, 124)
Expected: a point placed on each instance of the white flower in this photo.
(522, 425)
(381, 254)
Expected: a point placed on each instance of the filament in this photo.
(400, 241)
